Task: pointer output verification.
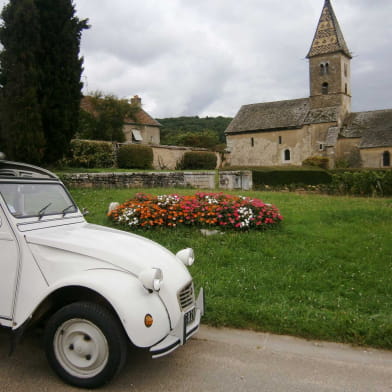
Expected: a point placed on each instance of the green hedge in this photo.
(91, 153)
(197, 160)
(280, 177)
(135, 156)
(362, 182)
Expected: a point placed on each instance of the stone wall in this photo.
(236, 180)
(167, 157)
(373, 157)
(204, 180)
(201, 180)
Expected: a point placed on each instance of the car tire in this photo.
(85, 344)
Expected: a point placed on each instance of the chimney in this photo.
(137, 101)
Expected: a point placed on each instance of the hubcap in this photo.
(81, 348)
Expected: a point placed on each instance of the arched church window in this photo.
(324, 68)
(345, 88)
(386, 159)
(287, 155)
(324, 88)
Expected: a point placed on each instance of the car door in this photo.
(9, 263)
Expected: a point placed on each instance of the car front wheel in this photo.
(85, 344)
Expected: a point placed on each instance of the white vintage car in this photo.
(95, 289)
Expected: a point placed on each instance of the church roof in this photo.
(279, 115)
(270, 115)
(322, 115)
(328, 37)
(374, 128)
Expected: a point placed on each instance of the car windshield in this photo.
(30, 200)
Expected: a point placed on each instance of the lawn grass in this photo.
(325, 273)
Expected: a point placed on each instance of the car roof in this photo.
(9, 169)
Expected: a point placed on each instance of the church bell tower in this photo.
(329, 64)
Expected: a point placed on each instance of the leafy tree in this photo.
(206, 132)
(21, 129)
(102, 117)
(40, 73)
(205, 139)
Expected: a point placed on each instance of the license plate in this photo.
(189, 316)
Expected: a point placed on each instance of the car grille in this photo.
(186, 296)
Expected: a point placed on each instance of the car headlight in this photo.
(151, 279)
(187, 256)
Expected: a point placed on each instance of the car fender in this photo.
(130, 300)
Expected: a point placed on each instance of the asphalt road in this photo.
(219, 360)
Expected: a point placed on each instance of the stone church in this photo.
(288, 132)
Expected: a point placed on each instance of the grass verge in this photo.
(324, 274)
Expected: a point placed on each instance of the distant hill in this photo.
(199, 132)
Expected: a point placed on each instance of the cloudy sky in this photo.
(209, 57)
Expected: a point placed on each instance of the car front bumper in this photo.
(182, 331)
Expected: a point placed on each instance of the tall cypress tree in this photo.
(60, 72)
(40, 72)
(21, 127)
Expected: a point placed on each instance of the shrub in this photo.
(91, 153)
(196, 160)
(135, 156)
(201, 209)
(317, 161)
(386, 184)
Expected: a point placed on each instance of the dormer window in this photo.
(324, 88)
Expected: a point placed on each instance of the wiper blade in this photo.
(41, 212)
(66, 209)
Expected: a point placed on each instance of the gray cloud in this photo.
(209, 57)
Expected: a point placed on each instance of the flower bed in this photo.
(201, 209)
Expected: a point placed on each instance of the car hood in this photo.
(86, 246)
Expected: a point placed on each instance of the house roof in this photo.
(270, 115)
(328, 37)
(140, 117)
(374, 128)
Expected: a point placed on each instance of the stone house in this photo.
(141, 129)
(288, 132)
